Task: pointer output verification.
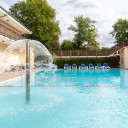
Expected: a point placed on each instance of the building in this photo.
(10, 29)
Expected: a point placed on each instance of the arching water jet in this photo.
(25, 56)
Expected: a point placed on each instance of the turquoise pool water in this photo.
(67, 99)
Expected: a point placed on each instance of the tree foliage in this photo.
(85, 32)
(54, 44)
(104, 48)
(91, 46)
(120, 30)
(39, 17)
(66, 45)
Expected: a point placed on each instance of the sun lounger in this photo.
(83, 66)
(91, 66)
(66, 66)
(106, 66)
(99, 66)
(74, 67)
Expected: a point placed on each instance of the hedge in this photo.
(113, 62)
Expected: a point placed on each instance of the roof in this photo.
(5, 16)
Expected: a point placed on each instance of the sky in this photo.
(105, 12)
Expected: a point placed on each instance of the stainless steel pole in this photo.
(27, 71)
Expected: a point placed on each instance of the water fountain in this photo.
(25, 56)
(27, 78)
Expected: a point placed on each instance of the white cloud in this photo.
(105, 12)
(7, 3)
(4, 4)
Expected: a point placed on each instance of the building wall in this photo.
(10, 27)
(124, 58)
(2, 47)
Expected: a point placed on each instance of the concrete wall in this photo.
(2, 47)
(124, 58)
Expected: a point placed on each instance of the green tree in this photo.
(104, 48)
(54, 44)
(120, 30)
(66, 45)
(39, 17)
(85, 31)
(91, 46)
(94, 45)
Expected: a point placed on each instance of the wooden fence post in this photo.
(105, 53)
(61, 53)
(96, 53)
(70, 53)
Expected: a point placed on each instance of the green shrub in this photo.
(113, 62)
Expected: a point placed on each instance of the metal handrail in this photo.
(78, 53)
(117, 47)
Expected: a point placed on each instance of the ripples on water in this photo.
(69, 107)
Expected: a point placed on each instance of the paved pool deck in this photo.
(10, 75)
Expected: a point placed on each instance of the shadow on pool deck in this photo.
(10, 75)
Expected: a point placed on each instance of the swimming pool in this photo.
(67, 99)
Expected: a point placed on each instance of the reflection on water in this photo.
(123, 78)
(83, 78)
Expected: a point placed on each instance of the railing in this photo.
(86, 53)
(10, 33)
(79, 53)
(117, 47)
